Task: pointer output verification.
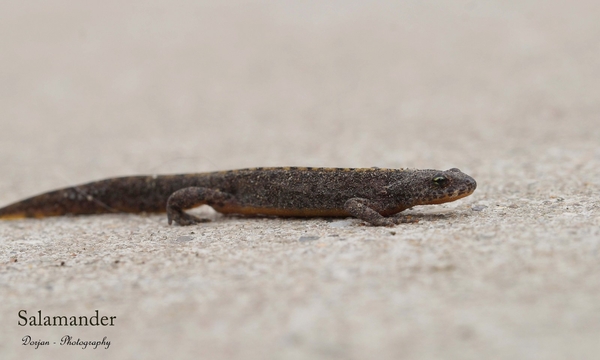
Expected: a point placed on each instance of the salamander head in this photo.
(428, 187)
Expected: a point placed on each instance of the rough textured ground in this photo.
(507, 91)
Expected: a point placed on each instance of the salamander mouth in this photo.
(464, 188)
(450, 197)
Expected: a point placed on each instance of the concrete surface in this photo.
(507, 91)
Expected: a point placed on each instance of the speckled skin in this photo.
(372, 195)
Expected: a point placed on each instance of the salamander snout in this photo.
(462, 183)
(445, 186)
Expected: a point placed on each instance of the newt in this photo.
(376, 196)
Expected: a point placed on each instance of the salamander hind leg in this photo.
(191, 197)
(359, 208)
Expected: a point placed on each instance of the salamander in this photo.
(376, 196)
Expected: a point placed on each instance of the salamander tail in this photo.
(11, 213)
(54, 203)
(133, 194)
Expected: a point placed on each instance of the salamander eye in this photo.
(441, 180)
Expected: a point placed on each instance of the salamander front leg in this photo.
(401, 218)
(191, 197)
(359, 208)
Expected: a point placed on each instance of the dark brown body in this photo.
(268, 191)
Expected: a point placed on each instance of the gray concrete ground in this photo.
(507, 91)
